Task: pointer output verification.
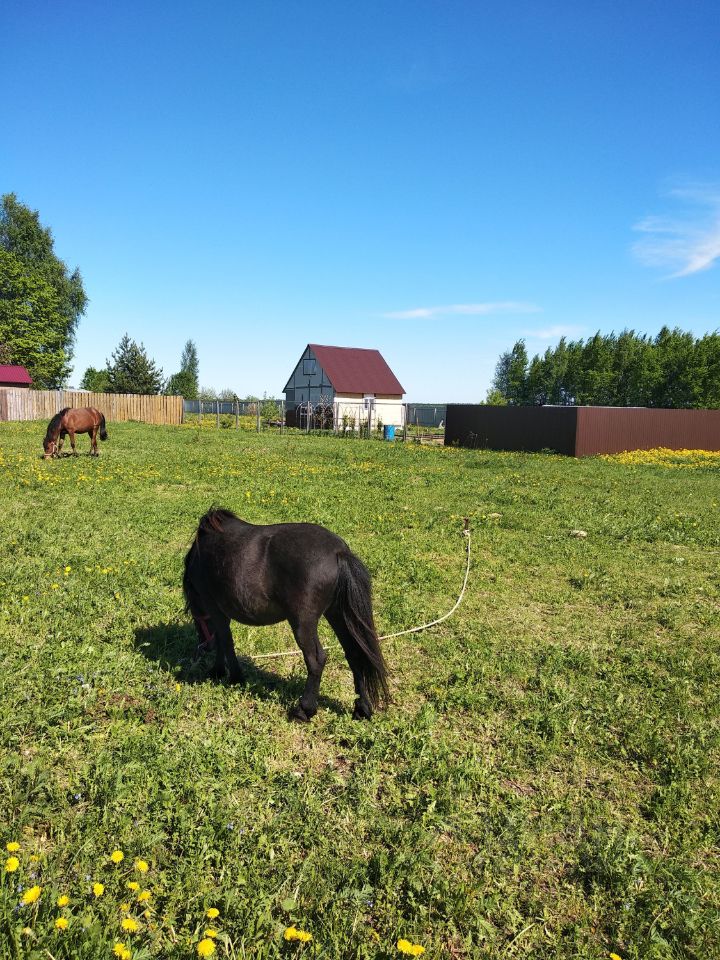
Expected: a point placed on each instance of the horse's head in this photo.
(50, 448)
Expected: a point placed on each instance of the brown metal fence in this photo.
(581, 431)
(614, 429)
(43, 404)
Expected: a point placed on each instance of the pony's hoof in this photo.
(298, 714)
(361, 711)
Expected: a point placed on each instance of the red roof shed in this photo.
(12, 375)
(356, 370)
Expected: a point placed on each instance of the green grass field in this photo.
(544, 785)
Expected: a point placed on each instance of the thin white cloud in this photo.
(685, 244)
(464, 309)
(553, 333)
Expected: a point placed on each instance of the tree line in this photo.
(673, 369)
(130, 370)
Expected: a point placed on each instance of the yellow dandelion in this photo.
(54, 586)
(133, 885)
(98, 889)
(117, 856)
(302, 936)
(614, 956)
(206, 948)
(13, 846)
(11, 864)
(61, 923)
(130, 924)
(120, 950)
(142, 865)
(63, 901)
(31, 895)
(34, 858)
(67, 570)
(144, 895)
(212, 913)
(210, 933)
(410, 949)
(124, 908)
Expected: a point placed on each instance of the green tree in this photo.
(510, 378)
(707, 370)
(132, 371)
(269, 409)
(673, 370)
(42, 300)
(185, 383)
(29, 330)
(596, 380)
(95, 380)
(494, 398)
(675, 385)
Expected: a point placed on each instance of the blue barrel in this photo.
(389, 431)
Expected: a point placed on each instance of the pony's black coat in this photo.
(297, 572)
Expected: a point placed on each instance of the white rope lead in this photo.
(295, 652)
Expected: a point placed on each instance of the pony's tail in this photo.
(103, 431)
(354, 601)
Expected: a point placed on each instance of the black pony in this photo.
(297, 572)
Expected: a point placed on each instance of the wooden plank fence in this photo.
(43, 404)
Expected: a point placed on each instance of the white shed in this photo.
(349, 379)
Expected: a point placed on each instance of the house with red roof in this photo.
(12, 375)
(353, 382)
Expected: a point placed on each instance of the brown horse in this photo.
(71, 421)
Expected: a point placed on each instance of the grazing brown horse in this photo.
(71, 421)
(297, 572)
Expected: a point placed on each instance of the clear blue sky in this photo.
(431, 179)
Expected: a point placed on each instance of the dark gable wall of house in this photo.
(308, 382)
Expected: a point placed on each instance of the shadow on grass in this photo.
(173, 647)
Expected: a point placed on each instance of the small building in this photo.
(581, 431)
(12, 375)
(353, 383)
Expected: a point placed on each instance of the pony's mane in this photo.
(214, 519)
(55, 422)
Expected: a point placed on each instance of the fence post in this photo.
(282, 417)
(217, 414)
(237, 413)
(257, 412)
(405, 420)
(200, 403)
